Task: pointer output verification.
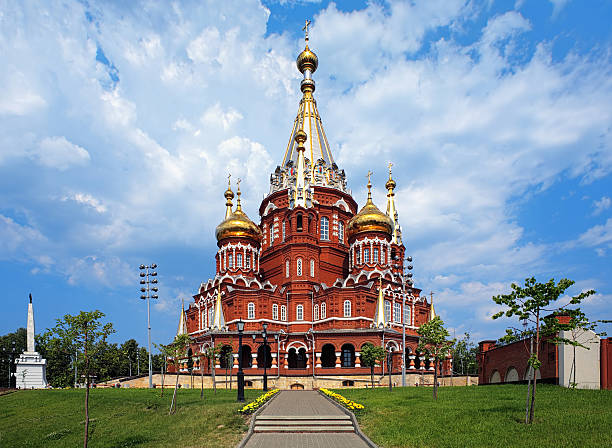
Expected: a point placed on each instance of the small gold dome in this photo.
(307, 60)
(390, 184)
(237, 224)
(369, 219)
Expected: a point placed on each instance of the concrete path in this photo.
(300, 419)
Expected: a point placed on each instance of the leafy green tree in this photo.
(84, 332)
(128, 352)
(530, 304)
(174, 352)
(370, 355)
(434, 341)
(11, 346)
(464, 356)
(212, 354)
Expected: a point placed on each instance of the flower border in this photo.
(258, 402)
(349, 404)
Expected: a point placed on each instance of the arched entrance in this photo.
(247, 359)
(297, 358)
(328, 356)
(226, 357)
(348, 355)
(260, 356)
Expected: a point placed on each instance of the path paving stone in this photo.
(304, 420)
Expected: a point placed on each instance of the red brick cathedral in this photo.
(324, 276)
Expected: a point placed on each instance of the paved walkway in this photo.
(303, 404)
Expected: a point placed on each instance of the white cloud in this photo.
(93, 269)
(602, 204)
(19, 97)
(57, 152)
(597, 235)
(216, 116)
(86, 199)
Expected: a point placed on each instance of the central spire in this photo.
(319, 166)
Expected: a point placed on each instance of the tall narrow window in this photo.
(299, 267)
(357, 256)
(271, 234)
(275, 312)
(347, 308)
(397, 312)
(407, 314)
(203, 320)
(323, 311)
(247, 261)
(211, 312)
(366, 255)
(251, 310)
(230, 261)
(283, 313)
(287, 268)
(316, 312)
(238, 260)
(312, 268)
(299, 312)
(387, 311)
(324, 228)
(374, 255)
(299, 223)
(283, 231)
(341, 232)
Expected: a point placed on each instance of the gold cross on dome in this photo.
(390, 165)
(229, 178)
(238, 182)
(305, 29)
(369, 176)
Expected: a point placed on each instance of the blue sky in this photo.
(119, 123)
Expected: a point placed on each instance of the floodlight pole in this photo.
(146, 280)
(406, 278)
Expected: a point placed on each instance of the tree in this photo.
(370, 355)
(464, 356)
(174, 351)
(433, 341)
(190, 364)
(212, 353)
(84, 332)
(529, 304)
(11, 346)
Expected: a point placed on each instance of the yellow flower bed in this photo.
(349, 404)
(254, 405)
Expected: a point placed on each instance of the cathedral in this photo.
(323, 276)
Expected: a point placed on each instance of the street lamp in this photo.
(265, 342)
(240, 326)
(406, 277)
(149, 292)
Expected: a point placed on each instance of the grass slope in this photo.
(121, 418)
(486, 416)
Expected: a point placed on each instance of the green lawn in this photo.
(485, 416)
(121, 418)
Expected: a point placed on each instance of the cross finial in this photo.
(305, 29)
(390, 165)
(238, 183)
(229, 179)
(369, 176)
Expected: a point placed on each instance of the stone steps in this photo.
(301, 424)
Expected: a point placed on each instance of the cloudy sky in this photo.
(120, 120)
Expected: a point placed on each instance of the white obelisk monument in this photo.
(31, 368)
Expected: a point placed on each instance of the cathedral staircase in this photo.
(300, 423)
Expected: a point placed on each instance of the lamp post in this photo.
(406, 277)
(240, 326)
(264, 334)
(146, 279)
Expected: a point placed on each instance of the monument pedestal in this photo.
(31, 372)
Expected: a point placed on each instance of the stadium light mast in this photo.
(148, 277)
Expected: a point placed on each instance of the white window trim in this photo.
(251, 310)
(275, 312)
(347, 308)
(283, 313)
(299, 312)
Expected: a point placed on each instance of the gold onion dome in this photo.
(370, 219)
(307, 60)
(237, 224)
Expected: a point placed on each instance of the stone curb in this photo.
(353, 419)
(252, 424)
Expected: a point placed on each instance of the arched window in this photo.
(300, 222)
(311, 267)
(358, 256)
(299, 312)
(348, 355)
(374, 255)
(407, 314)
(203, 319)
(247, 261)
(230, 261)
(211, 312)
(238, 260)
(324, 228)
(271, 234)
(366, 255)
(283, 231)
(316, 312)
(283, 313)
(347, 308)
(328, 356)
(251, 310)
(247, 359)
(275, 312)
(299, 267)
(341, 232)
(397, 312)
(287, 268)
(323, 311)
(387, 311)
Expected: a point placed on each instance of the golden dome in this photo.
(307, 60)
(369, 219)
(237, 224)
